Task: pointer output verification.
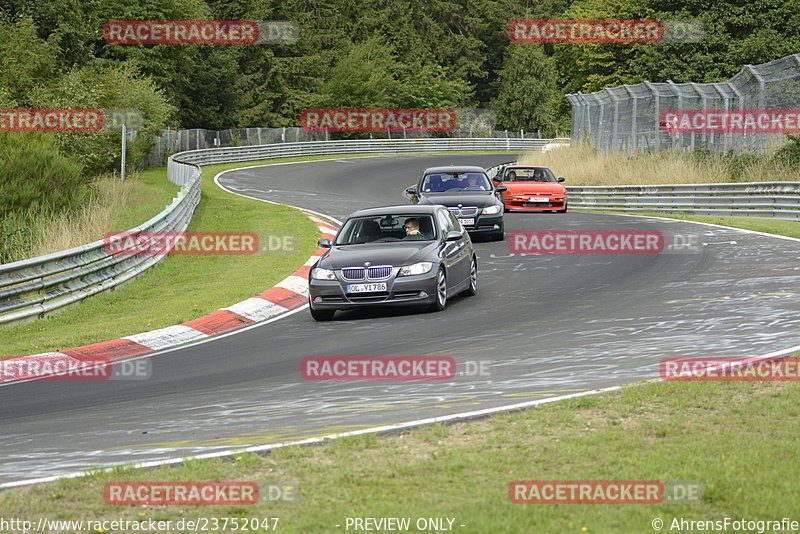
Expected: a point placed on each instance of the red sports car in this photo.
(532, 188)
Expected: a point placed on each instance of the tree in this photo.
(528, 95)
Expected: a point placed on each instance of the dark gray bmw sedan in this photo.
(393, 256)
(468, 193)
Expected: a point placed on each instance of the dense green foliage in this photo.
(350, 53)
(387, 53)
(35, 181)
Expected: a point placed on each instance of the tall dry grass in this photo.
(53, 232)
(583, 165)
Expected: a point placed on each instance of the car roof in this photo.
(455, 168)
(411, 209)
(527, 167)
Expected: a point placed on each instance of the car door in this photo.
(465, 254)
(454, 251)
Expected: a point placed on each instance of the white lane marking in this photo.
(670, 219)
(374, 430)
(309, 441)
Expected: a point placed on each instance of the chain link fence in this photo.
(631, 117)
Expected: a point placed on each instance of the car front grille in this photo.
(353, 273)
(466, 211)
(378, 272)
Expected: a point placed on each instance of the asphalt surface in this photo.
(547, 325)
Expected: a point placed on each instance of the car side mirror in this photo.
(324, 243)
(561, 179)
(497, 179)
(411, 190)
(501, 188)
(453, 235)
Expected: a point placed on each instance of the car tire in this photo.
(473, 279)
(440, 300)
(321, 315)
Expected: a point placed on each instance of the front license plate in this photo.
(467, 222)
(366, 288)
(538, 199)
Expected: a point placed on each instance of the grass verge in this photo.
(732, 438)
(179, 288)
(115, 204)
(584, 165)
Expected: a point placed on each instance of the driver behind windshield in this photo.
(411, 227)
(472, 183)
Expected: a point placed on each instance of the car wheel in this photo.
(321, 315)
(473, 279)
(441, 291)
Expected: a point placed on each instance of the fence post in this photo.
(634, 141)
(656, 113)
(741, 107)
(600, 122)
(674, 87)
(761, 104)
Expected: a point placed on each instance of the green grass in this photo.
(150, 197)
(769, 226)
(180, 288)
(735, 439)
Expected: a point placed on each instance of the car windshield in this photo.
(386, 229)
(455, 181)
(540, 174)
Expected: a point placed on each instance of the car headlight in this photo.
(418, 268)
(322, 274)
(491, 210)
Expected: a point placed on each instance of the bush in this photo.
(789, 154)
(35, 179)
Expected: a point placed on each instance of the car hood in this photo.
(394, 253)
(465, 198)
(534, 187)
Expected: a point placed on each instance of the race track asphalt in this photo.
(547, 325)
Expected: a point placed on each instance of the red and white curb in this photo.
(286, 295)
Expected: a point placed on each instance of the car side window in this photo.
(454, 221)
(444, 222)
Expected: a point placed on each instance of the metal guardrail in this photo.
(34, 287)
(774, 200)
(358, 146)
